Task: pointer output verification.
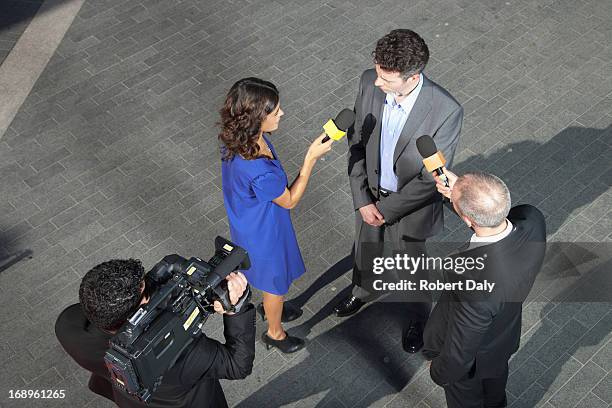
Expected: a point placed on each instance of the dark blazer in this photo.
(417, 206)
(476, 333)
(192, 382)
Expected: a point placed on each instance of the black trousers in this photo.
(477, 393)
(387, 241)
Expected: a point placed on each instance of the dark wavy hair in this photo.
(111, 292)
(247, 104)
(402, 51)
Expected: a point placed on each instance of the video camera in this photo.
(182, 293)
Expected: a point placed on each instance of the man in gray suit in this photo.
(395, 198)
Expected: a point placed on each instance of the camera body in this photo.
(182, 292)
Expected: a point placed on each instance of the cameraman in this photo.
(110, 293)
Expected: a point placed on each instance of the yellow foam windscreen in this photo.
(332, 130)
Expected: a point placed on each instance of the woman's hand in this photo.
(294, 193)
(317, 148)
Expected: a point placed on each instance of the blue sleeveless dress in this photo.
(259, 225)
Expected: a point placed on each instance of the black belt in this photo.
(385, 193)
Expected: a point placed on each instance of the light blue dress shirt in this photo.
(393, 120)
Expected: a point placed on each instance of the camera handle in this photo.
(223, 295)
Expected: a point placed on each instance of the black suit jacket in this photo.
(417, 206)
(192, 382)
(476, 333)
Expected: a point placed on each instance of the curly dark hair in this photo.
(402, 51)
(111, 292)
(247, 104)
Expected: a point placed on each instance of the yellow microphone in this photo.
(336, 128)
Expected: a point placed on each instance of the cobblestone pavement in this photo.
(113, 154)
(14, 18)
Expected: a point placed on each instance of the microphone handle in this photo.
(442, 176)
(325, 139)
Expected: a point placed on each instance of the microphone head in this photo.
(345, 119)
(426, 146)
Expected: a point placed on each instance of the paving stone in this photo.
(592, 400)
(573, 391)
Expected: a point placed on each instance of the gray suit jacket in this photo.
(417, 206)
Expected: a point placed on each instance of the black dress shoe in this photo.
(290, 312)
(349, 306)
(412, 337)
(287, 345)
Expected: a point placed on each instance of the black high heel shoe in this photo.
(287, 345)
(290, 312)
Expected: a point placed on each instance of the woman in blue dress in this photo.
(258, 199)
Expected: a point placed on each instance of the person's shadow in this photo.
(559, 176)
(329, 276)
(572, 327)
(346, 362)
(6, 261)
(9, 254)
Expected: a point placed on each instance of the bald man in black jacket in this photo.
(471, 335)
(85, 329)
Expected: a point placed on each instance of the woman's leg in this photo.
(273, 306)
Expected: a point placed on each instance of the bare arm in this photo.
(292, 195)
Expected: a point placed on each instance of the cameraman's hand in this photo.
(236, 285)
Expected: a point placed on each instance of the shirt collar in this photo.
(390, 97)
(493, 238)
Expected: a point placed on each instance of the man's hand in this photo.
(442, 189)
(371, 215)
(236, 285)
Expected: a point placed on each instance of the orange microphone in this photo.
(432, 158)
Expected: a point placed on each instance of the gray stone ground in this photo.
(113, 154)
(14, 18)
